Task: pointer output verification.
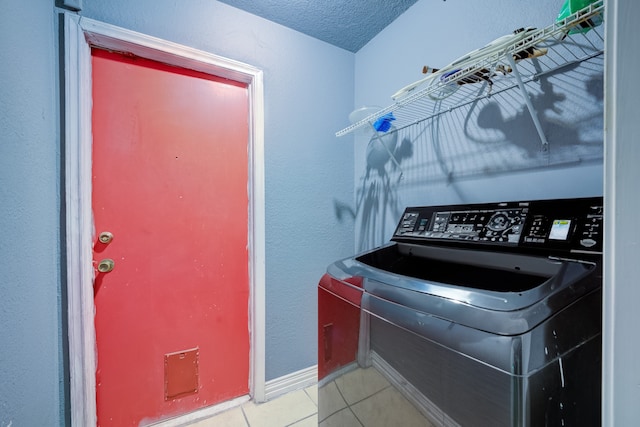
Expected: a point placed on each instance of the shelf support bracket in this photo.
(530, 107)
(376, 136)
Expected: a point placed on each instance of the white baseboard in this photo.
(273, 388)
(291, 382)
(199, 414)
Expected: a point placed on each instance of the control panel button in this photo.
(587, 243)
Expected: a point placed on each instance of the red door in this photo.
(170, 185)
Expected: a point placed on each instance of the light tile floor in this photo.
(296, 409)
(361, 397)
(365, 398)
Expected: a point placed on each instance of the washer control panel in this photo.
(562, 225)
(495, 225)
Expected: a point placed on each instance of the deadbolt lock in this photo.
(105, 237)
(106, 265)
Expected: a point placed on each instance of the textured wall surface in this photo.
(308, 92)
(31, 379)
(309, 173)
(452, 158)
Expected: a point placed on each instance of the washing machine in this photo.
(472, 315)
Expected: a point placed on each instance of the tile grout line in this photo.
(305, 393)
(301, 419)
(371, 395)
(246, 420)
(350, 405)
(309, 396)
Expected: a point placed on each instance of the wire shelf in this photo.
(496, 68)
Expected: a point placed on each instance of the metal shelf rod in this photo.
(530, 107)
(465, 68)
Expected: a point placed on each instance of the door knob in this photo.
(105, 237)
(106, 265)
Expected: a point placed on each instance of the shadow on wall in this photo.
(564, 132)
(487, 136)
(376, 195)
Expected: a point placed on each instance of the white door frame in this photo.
(80, 35)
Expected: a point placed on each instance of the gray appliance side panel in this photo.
(546, 377)
(566, 392)
(514, 354)
(470, 393)
(493, 350)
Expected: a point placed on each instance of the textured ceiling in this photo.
(348, 24)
